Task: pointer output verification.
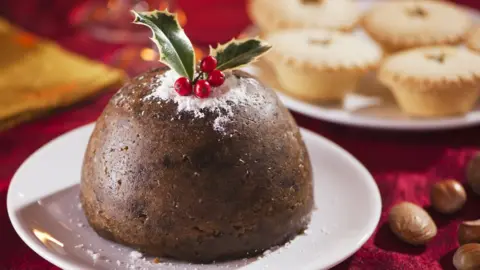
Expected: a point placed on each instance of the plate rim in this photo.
(372, 185)
(419, 125)
(19, 228)
(38, 248)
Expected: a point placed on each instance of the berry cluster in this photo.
(202, 85)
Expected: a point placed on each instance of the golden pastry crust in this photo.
(474, 39)
(432, 68)
(433, 81)
(269, 15)
(454, 101)
(400, 25)
(323, 50)
(320, 65)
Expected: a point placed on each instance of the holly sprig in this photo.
(238, 53)
(177, 52)
(175, 47)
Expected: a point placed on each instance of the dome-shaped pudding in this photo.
(197, 179)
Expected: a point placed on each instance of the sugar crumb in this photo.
(135, 255)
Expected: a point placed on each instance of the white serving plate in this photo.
(361, 110)
(44, 209)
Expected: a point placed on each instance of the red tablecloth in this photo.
(403, 164)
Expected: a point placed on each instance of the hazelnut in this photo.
(473, 173)
(469, 232)
(448, 196)
(411, 223)
(467, 257)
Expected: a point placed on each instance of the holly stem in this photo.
(196, 78)
(199, 76)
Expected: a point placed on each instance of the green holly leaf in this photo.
(175, 48)
(237, 53)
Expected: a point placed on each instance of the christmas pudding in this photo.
(197, 163)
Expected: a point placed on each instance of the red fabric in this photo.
(403, 164)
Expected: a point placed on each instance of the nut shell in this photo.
(467, 257)
(448, 196)
(469, 232)
(473, 173)
(412, 223)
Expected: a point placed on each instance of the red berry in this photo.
(183, 87)
(208, 64)
(202, 89)
(216, 78)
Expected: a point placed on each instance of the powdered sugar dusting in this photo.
(235, 91)
(135, 255)
(219, 123)
(95, 255)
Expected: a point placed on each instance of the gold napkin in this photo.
(37, 76)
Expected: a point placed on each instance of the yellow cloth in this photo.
(37, 76)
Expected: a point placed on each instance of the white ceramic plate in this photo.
(364, 110)
(44, 209)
